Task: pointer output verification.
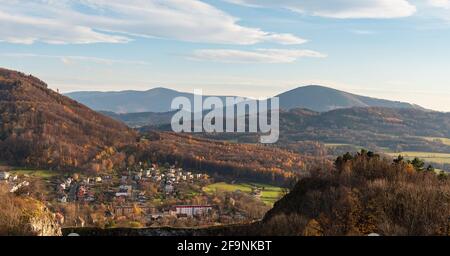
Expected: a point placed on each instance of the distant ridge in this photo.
(158, 100)
(322, 99)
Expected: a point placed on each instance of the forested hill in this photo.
(364, 194)
(41, 128)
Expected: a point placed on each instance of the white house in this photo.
(168, 189)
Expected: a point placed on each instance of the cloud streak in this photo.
(68, 59)
(341, 9)
(257, 56)
(117, 21)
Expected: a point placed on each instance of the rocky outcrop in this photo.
(25, 216)
(45, 223)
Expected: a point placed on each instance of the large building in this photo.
(193, 210)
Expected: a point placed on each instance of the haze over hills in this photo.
(316, 98)
(153, 100)
(41, 128)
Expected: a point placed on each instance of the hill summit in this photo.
(322, 99)
(41, 128)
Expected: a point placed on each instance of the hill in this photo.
(232, 161)
(377, 128)
(321, 99)
(140, 119)
(316, 98)
(153, 100)
(395, 129)
(364, 194)
(41, 128)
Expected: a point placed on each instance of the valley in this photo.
(97, 174)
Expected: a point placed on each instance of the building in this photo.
(168, 188)
(193, 210)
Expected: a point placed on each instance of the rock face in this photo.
(45, 224)
(25, 216)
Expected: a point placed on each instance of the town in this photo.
(146, 195)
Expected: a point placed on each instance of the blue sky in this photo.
(394, 49)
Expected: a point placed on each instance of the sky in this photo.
(392, 49)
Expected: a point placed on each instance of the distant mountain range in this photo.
(313, 97)
(154, 100)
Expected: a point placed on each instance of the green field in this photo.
(439, 158)
(45, 174)
(269, 196)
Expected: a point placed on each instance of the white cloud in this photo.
(257, 56)
(342, 9)
(440, 3)
(68, 60)
(117, 21)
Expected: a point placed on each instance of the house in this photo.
(81, 191)
(126, 188)
(120, 194)
(193, 210)
(123, 210)
(4, 175)
(168, 188)
(156, 216)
